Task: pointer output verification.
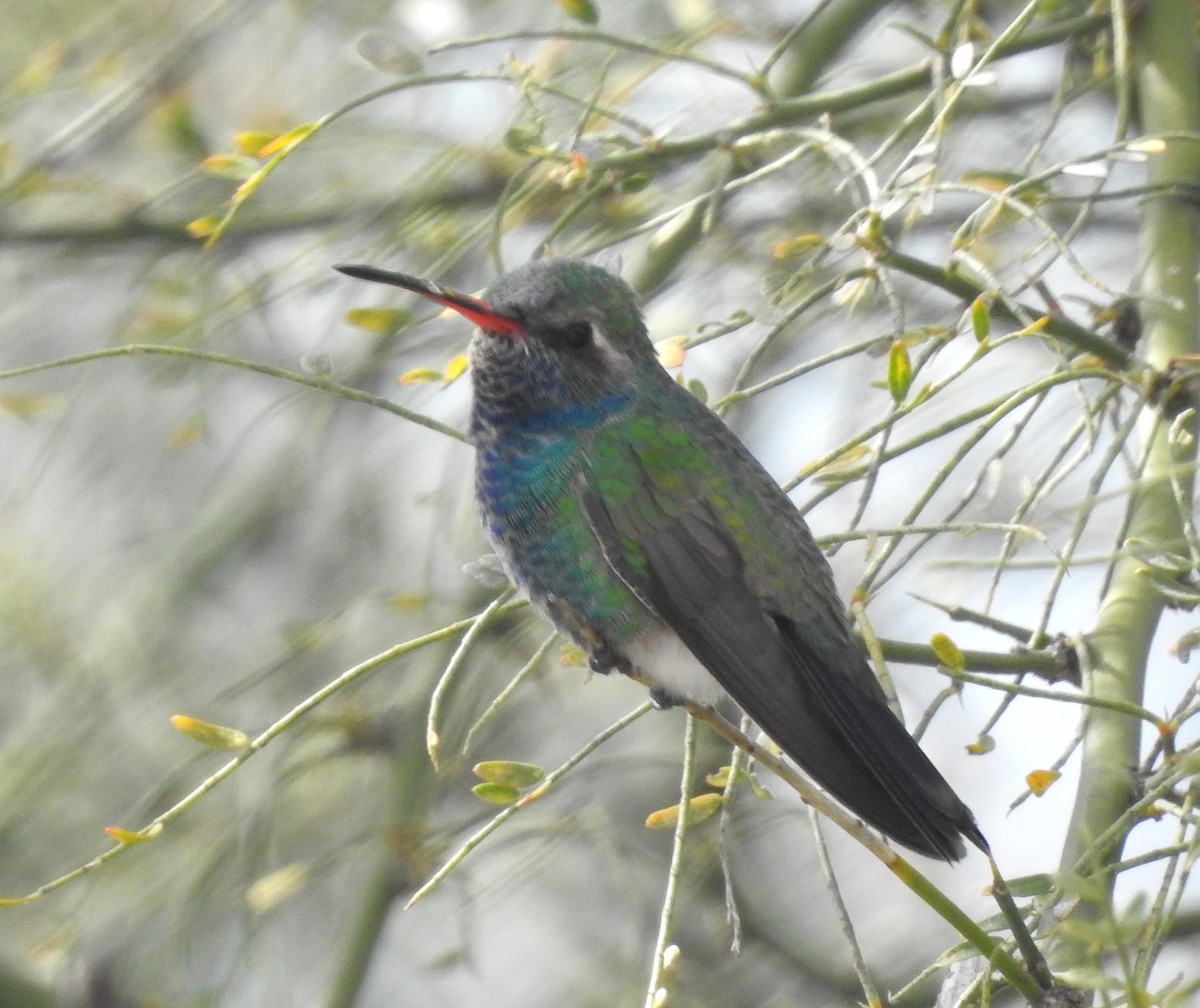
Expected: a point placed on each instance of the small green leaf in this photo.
(581, 10)
(523, 138)
(720, 779)
(1183, 648)
(980, 320)
(899, 375)
(634, 182)
(214, 736)
(759, 790)
(497, 794)
(1031, 885)
(509, 773)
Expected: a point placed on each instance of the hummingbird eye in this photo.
(573, 336)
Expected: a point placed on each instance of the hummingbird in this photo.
(636, 522)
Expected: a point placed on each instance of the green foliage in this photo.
(915, 253)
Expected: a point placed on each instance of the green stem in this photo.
(1166, 71)
(825, 34)
(210, 357)
(953, 282)
(811, 106)
(990, 948)
(408, 794)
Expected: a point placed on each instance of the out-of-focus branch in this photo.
(1118, 649)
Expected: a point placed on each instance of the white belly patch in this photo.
(663, 657)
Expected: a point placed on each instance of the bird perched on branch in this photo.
(641, 527)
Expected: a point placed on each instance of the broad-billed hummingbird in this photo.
(638, 524)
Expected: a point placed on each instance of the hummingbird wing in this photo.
(712, 545)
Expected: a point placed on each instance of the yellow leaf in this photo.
(214, 736)
(455, 367)
(421, 374)
(31, 405)
(1040, 780)
(202, 227)
(269, 891)
(377, 320)
(699, 809)
(1036, 326)
(129, 837)
(982, 745)
(408, 601)
(287, 140)
(797, 245)
(246, 189)
(38, 73)
(251, 142)
(947, 652)
(187, 433)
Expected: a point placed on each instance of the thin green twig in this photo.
(318, 382)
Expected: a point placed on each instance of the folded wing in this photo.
(792, 667)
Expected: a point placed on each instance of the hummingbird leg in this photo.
(665, 700)
(602, 659)
(600, 654)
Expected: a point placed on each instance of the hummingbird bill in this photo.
(637, 523)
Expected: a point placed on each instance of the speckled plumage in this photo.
(635, 521)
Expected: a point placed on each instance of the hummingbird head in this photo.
(560, 341)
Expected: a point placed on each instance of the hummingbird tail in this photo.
(866, 758)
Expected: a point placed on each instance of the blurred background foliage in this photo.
(898, 245)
